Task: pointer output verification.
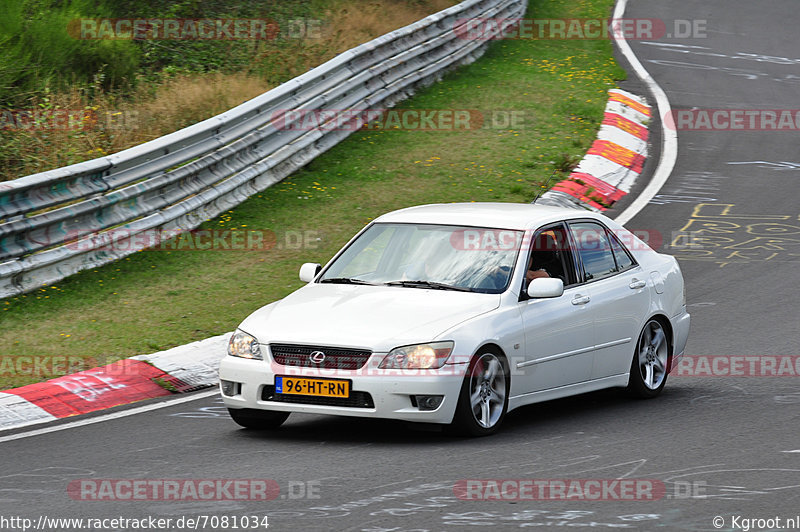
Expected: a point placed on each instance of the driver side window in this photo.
(550, 255)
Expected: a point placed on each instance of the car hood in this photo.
(378, 318)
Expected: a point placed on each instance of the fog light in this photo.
(230, 388)
(428, 402)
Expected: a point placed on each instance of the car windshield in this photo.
(441, 257)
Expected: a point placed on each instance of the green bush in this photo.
(40, 52)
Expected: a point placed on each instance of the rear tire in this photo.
(250, 418)
(483, 400)
(651, 361)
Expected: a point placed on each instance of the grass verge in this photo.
(169, 84)
(159, 299)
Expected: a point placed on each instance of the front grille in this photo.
(335, 357)
(356, 399)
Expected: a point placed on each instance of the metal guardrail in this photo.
(57, 223)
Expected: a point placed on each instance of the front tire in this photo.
(257, 419)
(650, 361)
(483, 401)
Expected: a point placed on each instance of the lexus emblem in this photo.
(317, 357)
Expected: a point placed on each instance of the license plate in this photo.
(306, 386)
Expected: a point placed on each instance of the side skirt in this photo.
(516, 401)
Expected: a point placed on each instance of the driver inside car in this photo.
(544, 261)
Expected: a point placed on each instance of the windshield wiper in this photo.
(345, 280)
(428, 284)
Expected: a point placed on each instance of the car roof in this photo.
(519, 216)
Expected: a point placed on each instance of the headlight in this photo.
(245, 346)
(421, 356)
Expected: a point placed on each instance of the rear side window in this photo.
(624, 260)
(594, 248)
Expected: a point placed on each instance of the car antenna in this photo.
(544, 187)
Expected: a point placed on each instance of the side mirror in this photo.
(545, 287)
(308, 271)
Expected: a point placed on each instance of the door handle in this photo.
(636, 284)
(580, 300)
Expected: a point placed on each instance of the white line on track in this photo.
(669, 154)
(114, 415)
(669, 143)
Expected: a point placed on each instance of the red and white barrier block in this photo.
(614, 161)
(181, 369)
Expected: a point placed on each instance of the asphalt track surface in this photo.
(722, 446)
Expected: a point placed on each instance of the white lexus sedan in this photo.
(457, 313)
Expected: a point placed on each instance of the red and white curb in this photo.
(614, 161)
(180, 369)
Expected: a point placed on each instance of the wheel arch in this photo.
(491, 345)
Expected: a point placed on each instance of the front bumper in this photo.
(390, 390)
